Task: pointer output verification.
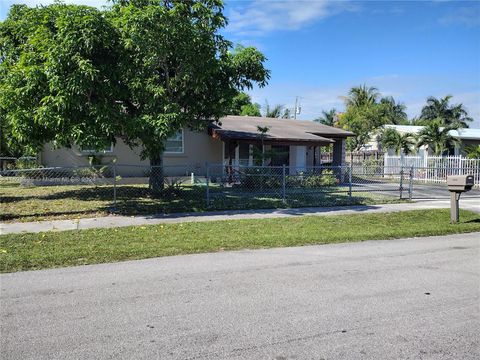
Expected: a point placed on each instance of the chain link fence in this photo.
(58, 192)
(296, 186)
(24, 162)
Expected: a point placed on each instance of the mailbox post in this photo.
(457, 184)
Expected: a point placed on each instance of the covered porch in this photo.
(296, 156)
(296, 144)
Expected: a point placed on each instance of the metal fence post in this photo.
(283, 183)
(114, 186)
(401, 182)
(350, 180)
(410, 184)
(207, 174)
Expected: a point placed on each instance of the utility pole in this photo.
(297, 109)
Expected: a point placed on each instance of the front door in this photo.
(300, 158)
(280, 155)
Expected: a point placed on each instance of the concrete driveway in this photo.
(398, 299)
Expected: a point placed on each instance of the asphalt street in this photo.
(397, 299)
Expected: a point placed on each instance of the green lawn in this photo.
(23, 203)
(56, 249)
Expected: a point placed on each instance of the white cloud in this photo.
(260, 17)
(467, 16)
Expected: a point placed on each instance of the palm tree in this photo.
(273, 112)
(437, 137)
(286, 114)
(392, 139)
(362, 95)
(327, 117)
(473, 152)
(460, 116)
(435, 108)
(455, 116)
(394, 112)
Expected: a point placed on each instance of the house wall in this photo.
(466, 143)
(198, 148)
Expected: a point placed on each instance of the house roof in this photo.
(463, 134)
(280, 130)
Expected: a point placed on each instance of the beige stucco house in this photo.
(230, 141)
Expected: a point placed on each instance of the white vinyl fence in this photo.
(434, 169)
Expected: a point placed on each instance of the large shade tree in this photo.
(242, 105)
(139, 71)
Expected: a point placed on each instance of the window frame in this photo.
(183, 145)
(96, 152)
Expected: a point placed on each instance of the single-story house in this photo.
(233, 140)
(467, 137)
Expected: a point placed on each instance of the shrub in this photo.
(328, 178)
(172, 188)
(255, 178)
(313, 181)
(93, 172)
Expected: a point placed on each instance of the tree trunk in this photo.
(156, 180)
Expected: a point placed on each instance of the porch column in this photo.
(230, 148)
(338, 152)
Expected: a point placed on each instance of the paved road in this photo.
(419, 191)
(440, 191)
(399, 299)
(119, 221)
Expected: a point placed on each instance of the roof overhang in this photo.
(280, 131)
(243, 136)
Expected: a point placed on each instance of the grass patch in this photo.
(57, 249)
(21, 203)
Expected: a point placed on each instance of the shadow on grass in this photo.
(473, 221)
(138, 200)
(55, 214)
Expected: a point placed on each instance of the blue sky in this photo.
(317, 50)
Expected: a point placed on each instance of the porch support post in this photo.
(339, 158)
(230, 145)
(338, 152)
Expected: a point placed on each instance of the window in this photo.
(174, 144)
(106, 149)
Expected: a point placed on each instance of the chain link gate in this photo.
(431, 182)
